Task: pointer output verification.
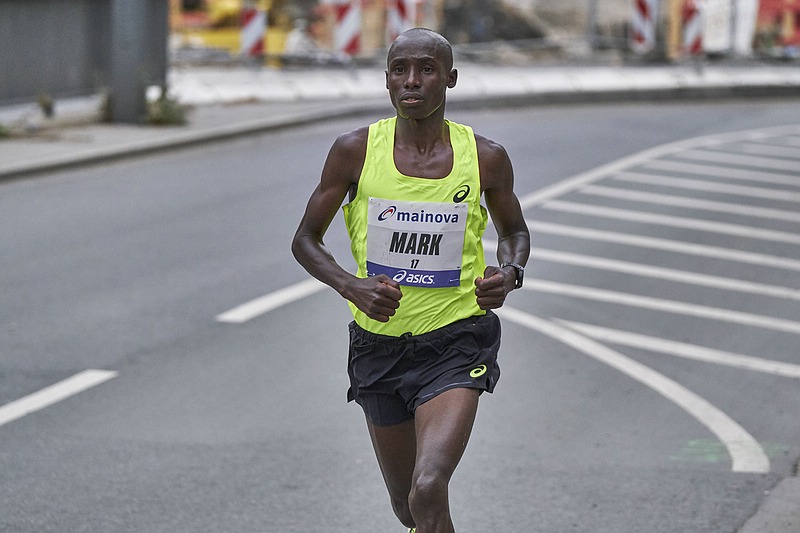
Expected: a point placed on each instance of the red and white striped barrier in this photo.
(401, 15)
(643, 25)
(347, 32)
(692, 18)
(254, 24)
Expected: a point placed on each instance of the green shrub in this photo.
(166, 111)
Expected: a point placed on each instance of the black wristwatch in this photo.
(520, 273)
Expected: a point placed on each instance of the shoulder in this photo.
(489, 151)
(494, 163)
(347, 155)
(352, 142)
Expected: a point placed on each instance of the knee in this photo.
(428, 494)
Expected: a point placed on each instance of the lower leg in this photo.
(443, 427)
(395, 449)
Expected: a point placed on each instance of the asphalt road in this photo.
(650, 365)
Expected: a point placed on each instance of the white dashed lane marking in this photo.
(53, 394)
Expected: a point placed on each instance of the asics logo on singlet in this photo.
(387, 213)
(461, 193)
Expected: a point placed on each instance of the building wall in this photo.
(62, 47)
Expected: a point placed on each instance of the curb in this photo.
(779, 513)
(500, 99)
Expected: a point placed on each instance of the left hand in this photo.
(492, 288)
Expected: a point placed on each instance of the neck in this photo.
(422, 132)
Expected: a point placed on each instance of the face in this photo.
(419, 73)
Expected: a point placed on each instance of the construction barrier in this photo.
(692, 19)
(401, 15)
(253, 28)
(347, 31)
(643, 25)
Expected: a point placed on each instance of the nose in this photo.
(412, 78)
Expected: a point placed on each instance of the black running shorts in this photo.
(391, 376)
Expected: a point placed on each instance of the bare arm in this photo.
(497, 184)
(378, 296)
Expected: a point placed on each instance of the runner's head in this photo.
(419, 72)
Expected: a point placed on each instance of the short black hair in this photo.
(438, 40)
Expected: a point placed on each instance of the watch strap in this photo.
(520, 272)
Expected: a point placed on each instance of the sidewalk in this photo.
(233, 100)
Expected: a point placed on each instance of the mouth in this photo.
(411, 99)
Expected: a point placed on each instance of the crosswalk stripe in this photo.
(669, 245)
(659, 304)
(739, 159)
(685, 350)
(782, 195)
(691, 203)
(737, 230)
(669, 274)
(727, 173)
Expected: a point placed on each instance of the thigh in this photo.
(443, 427)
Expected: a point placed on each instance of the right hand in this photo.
(377, 296)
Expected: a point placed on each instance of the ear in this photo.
(387, 78)
(452, 78)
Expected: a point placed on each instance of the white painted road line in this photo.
(724, 172)
(738, 230)
(764, 149)
(654, 243)
(668, 306)
(783, 195)
(53, 394)
(685, 350)
(250, 310)
(684, 202)
(670, 274)
(740, 160)
(651, 156)
(746, 453)
(568, 185)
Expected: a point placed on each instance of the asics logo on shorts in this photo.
(478, 372)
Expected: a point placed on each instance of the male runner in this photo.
(424, 342)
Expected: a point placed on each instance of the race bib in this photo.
(418, 244)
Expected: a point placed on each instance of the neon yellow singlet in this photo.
(423, 233)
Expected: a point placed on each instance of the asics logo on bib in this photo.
(418, 216)
(425, 279)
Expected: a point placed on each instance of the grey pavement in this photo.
(232, 100)
(228, 101)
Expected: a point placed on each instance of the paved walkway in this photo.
(229, 101)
